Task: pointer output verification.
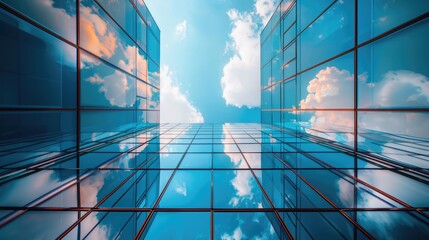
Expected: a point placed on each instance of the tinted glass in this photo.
(36, 69)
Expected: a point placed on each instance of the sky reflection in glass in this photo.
(130, 189)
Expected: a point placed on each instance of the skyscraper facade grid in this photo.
(352, 75)
(79, 89)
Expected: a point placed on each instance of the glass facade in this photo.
(352, 75)
(341, 153)
(348, 71)
(79, 91)
(208, 181)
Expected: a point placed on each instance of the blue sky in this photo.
(202, 44)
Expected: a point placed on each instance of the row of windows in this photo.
(374, 17)
(391, 74)
(39, 70)
(61, 126)
(60, 16)
(318, 68)
(328, 35)
(190, 225)
(258, 169)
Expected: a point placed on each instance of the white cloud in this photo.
(236, 235)
(399, 87)
(175, 106)
(383, 222)
(181, 189)
(234, 201)
(242, 180)
(327, 87)
(332, 86)
(96, 37)
(240, 80)
(265, 9)
(46, 12)
(181, 29)
(115, 88)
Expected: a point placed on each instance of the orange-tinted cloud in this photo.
(95, 35)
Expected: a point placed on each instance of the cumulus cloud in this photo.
(47, 13)
(265, 9)
(236, 235)
(383, 222)
(115, 88)
(181, 189)
(331, 87)
(240, 79)
(242, 180)
(95, 35)
(46, 181)
(175, 105)
(402, 87)
(324, 89)
(181, 29)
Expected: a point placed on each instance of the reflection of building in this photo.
(79, 95)
(351, 76)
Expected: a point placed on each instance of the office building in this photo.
(79, 89)
(352, 77)
(83, 155)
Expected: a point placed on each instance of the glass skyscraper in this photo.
(79, 94)
(341, 152)
(350, 80)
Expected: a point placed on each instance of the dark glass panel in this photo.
(36, 69)
(58, 16)
(104, 86)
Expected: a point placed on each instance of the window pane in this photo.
(398, 136)
(290, 17)
(104, 124)
(35, 222)
(276, 97)
(188, 189)
(181, 225)
(197, 160)
(37, 185)
(36, 136)
(329, 35)
(310, 9)
(237, 189)
(289, 94)
(123, 12)
(100, 35)
(153, 98)
(36, 69)
(105, 86)
(378, 16)
(57, 16)
(329, 85)
(259, 225)
(393, 73)
(333, 125)
(404, 225)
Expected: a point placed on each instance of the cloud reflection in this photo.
(242, 180)
(95, 34)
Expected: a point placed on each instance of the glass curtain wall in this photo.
(352, 75)
(79, 96)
